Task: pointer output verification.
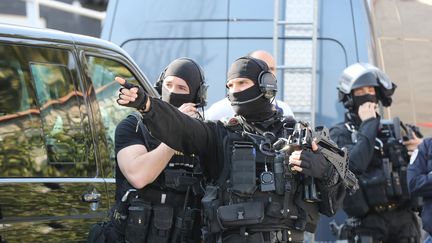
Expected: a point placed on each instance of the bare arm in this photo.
(141, 167)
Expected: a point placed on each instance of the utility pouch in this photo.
(243, 168)
(387, 168)
(185, 220)
(138, 220)
(118, 216)
(396, 182)
(403, 183)
(179, 179)
(375, 188)
(355, 205)
(210, 203)
(274, 209)
(162, 224)
(278, 168)
(241, 214)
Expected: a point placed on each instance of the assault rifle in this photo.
(301, 139)
(398, 130)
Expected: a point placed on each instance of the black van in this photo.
(58, 114)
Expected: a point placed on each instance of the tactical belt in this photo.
(158, 196)
(269, 235)
(387, 207)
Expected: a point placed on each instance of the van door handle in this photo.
(92, 197)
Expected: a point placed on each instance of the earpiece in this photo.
(267, 82)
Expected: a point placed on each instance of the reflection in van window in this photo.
(59, 109)
(52, 81)
(102, 72)
(13, 89)
(43, 121)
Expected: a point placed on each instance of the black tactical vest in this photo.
(253, 194)
(383, 186)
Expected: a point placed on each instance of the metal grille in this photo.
(299, 18)
(298, 57)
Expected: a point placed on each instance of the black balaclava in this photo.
(249, 103)
(187, 70)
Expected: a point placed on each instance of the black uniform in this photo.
(174, 196)
(381, 216)
(420, 180)
(233, 213)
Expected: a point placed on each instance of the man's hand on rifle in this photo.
(413, 143)
(311, 163)
(132, 96)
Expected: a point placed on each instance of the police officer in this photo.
(420, 182)
(381, 208)
(222, 109)
(158, 188)
(242, 205)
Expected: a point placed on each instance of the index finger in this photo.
(124, 83)
(314, 145)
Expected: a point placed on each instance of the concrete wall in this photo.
(404, 40)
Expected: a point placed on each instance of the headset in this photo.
(201, 95)
(267, 82)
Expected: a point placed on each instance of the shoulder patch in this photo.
(413, 156)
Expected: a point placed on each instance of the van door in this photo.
(49, 185)
(101, 67)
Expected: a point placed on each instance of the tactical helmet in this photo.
(364, 74)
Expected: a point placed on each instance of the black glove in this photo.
(315, 164)
(139, 102)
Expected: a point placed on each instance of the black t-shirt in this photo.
(128, 132)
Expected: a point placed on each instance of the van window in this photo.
(56, 97)
(44, 130)
(102, 72)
